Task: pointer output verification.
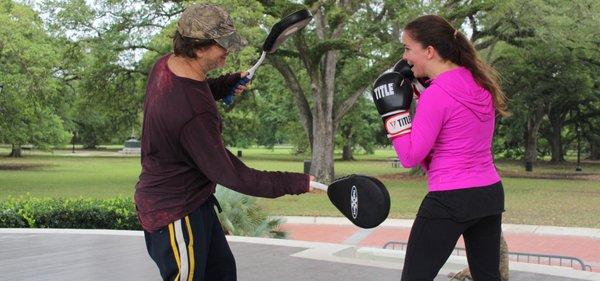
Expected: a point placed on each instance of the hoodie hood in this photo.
(461, 86)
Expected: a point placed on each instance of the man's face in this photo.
(214, 57)
(415, 55)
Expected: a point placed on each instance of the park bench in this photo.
(395, 162)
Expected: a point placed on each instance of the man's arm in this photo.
(201, 139)
(221, 85)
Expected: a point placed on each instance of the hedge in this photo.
(85, 213)
(241, 214)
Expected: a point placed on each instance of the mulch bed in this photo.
(20, 167)
(402, 176)
(507, 174)
(551, 176)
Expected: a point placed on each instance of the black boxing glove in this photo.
(392, 95)
(419, 84)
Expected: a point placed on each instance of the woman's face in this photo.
(415, 55)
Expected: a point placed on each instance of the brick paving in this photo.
(584, 248)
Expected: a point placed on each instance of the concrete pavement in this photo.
(64, 254)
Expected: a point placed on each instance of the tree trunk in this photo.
(503, 258)
(347, 152)
(347, 134)
(91, 142)
(594, 148)
(557, 121)
(16, 151)
(531, 135)
(321, 63)
(322, 152)
(556, 148)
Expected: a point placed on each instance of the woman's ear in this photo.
(430, 52)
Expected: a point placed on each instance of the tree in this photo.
(330, 64)
(589, 124)
(545, 75)
(333, 62)
(31, 98)
(103, 70)
(107, 75)
(539, 76)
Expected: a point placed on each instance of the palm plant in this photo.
(241, 215)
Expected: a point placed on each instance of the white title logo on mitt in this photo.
(398, 124)
(384, 91)
(354, 202)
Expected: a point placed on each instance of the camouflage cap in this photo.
(208, 21)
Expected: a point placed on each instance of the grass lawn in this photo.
(528, 200)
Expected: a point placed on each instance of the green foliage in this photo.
(102, 67)
(9, 218)
(265, 115)
(547, 74)
(76, 67)
(31, 99)
(106, 177)
(243, 216)
(30, 212)
(362, 128)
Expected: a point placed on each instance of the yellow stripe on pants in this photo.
(190, 247)
(174, 248)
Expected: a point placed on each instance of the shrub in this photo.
(241, 215)
(117, 213)
(10, 218)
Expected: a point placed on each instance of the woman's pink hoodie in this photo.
(452, 132)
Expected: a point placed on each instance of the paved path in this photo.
(582, 243)
(33, 254)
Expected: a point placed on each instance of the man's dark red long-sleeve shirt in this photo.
(183, 155)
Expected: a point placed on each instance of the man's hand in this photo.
(240, 88)
(310, 188)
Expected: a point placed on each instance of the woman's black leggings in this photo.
(432, 241)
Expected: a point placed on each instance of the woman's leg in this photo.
(430, 243)
(482, 241)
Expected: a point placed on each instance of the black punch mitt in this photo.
(362, 199)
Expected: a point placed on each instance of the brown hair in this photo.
(186, 47)
(452, 45)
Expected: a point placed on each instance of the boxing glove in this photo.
(419, 84)
(392, 95)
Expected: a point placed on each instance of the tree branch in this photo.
(134, 47)
(345, 106)
(293, 84)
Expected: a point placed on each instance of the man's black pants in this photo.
(192, 248)
(432, 241)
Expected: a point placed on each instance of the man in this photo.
(183, 155)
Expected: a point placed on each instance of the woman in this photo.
(451, 138)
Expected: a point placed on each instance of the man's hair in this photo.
(186, 47)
